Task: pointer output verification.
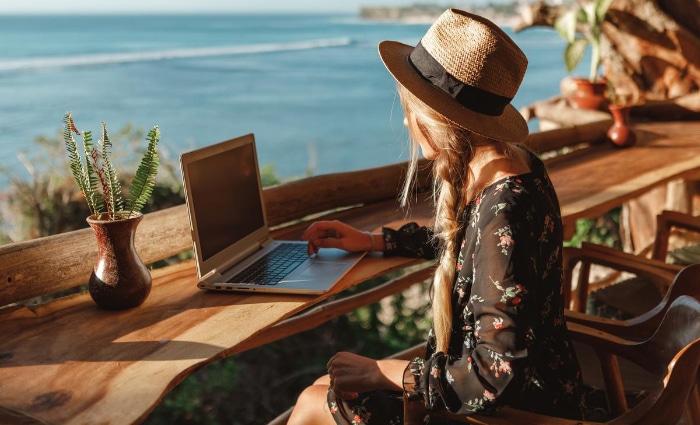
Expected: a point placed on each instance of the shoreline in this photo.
(508, 16)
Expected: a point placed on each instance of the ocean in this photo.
(311, 87)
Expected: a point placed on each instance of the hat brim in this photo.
(510, 126)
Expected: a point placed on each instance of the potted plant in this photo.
(119, 279)
(582, 27)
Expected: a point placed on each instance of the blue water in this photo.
(311, 87)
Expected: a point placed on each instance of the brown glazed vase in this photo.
(620, 133)
(120, 279)
(588, 95)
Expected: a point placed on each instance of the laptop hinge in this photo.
(218, 274)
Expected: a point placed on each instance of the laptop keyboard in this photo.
(274, 266)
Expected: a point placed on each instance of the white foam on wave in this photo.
(40, 63)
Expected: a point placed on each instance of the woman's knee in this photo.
(323, 380)
(312, 407)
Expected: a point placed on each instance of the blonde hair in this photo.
(451, 194)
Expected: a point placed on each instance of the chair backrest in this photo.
(686, 282)
(588, 255)
(672, 354)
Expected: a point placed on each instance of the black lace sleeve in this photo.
(411, 240)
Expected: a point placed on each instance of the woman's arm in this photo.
(496, 310)
(410, 240)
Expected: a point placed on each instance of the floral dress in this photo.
(509, 343)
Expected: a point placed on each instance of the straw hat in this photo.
(467, 69)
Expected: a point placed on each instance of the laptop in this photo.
(232, 244)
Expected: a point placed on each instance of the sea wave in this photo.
(42, 63)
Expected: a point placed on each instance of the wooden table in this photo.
(592, 181)
(72, 363)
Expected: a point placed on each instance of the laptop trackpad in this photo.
(324, 268)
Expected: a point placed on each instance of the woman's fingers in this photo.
(334, 234)
(326, 228)
(348, 374)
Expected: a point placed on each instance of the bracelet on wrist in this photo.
(371, 241)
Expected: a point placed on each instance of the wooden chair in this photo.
(579, 262)
(686, 282)
(657, 271)
(671, 355)
(666, 224)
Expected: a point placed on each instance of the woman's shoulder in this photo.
(516, 196)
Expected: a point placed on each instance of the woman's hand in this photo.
(336, 234)
(351, 374)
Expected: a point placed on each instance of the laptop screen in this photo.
(224, 196)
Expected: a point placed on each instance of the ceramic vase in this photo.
(620, 133)
(120, 279)
(588, 95)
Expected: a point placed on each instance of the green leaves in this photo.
(80, 164)
(145, 178)
(574, 53)
(566, 26)
(94, 169)
(111, 187)
(587, 21)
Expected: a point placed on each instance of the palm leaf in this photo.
(145, 178)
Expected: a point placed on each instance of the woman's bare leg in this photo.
(312, 407)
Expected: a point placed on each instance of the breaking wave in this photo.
(41, 63)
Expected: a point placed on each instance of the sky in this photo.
(204, 6)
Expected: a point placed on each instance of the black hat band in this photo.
(473, 98)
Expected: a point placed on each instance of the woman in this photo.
(499, 336)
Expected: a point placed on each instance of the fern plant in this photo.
(96, 176)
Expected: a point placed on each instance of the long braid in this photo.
(450, 182)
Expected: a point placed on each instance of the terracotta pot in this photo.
(620, 133)
(120, 279)
(588, 95)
